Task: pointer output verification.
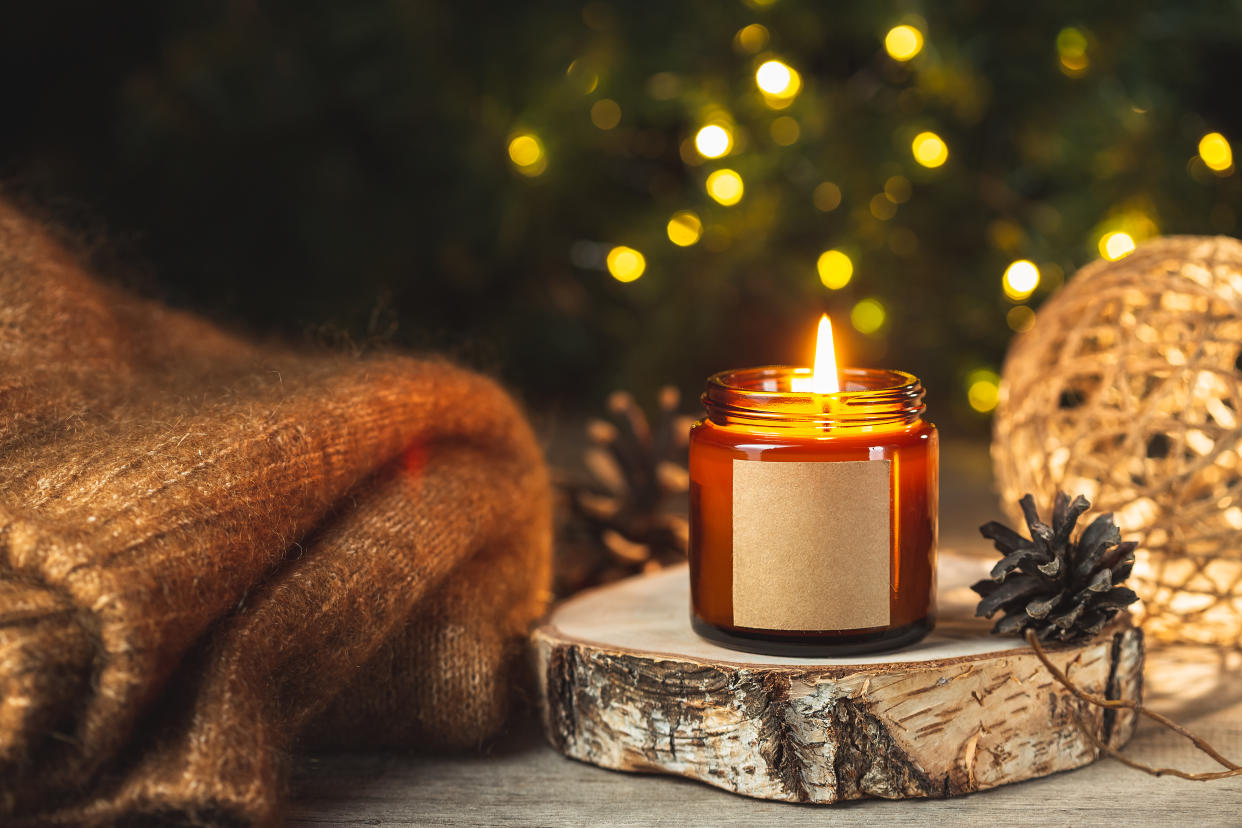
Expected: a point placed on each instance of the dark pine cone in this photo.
(1062, 589)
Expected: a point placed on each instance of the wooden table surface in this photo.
(522, 781)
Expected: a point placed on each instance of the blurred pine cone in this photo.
(628, 513)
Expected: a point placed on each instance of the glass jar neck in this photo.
(764, 398)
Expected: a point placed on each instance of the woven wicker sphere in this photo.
(1129, 390)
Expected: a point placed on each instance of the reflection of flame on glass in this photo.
(823, 379)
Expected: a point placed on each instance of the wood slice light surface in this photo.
(627, 685)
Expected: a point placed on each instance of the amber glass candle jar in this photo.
(813, 516)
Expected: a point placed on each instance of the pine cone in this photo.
(628, 516)
(1064, 590)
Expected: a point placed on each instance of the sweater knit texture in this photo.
(214, 553)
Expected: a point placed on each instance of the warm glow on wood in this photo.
(824, 379)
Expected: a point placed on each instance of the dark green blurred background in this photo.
(343, 167)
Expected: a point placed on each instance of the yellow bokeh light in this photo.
(1020, 318)
(605, 113)
(713, 141)
(725, 186)
(1072, 51)
(903, 42)
(868, 316)
(929, 149)
(881, 207)
(751, 39)
(526, 152)
(625, 263)
(826, 196)
(1071, 41)
(779, 82)
(586, 80)
(1216, 153)
(983, 390)
(897, 189)
(835, 269)
(785, 130)
(1116, 245)
(773, 77)
(1021, 279)
(1074, 65)
(684, 228)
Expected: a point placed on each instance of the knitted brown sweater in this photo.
(211, 551)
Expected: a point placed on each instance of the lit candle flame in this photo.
(823, 379)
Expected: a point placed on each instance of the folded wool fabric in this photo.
(214, 552)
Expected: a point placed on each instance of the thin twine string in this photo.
(1126, 704)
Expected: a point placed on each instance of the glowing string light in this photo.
(929, 149)
(1072, 51)
(1020, 318)
(1020, 280)
(725, 186)
(835, 269)
(903, 42)
(779, 82)
(606, 113)
(773, 77)
(526, 152)
(1216, 153)
(882, 207)
(897, 189)
(785, 130)
(625, 263)
(868, 316)
(1116, 245)
(713, 141)
(983, 390)
(684, 228)
(826, 196)
(751, 38)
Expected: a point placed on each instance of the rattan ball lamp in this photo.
(1128, 390)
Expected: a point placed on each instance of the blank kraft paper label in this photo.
(811, 544)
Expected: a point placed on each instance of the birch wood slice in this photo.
(626, 684)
